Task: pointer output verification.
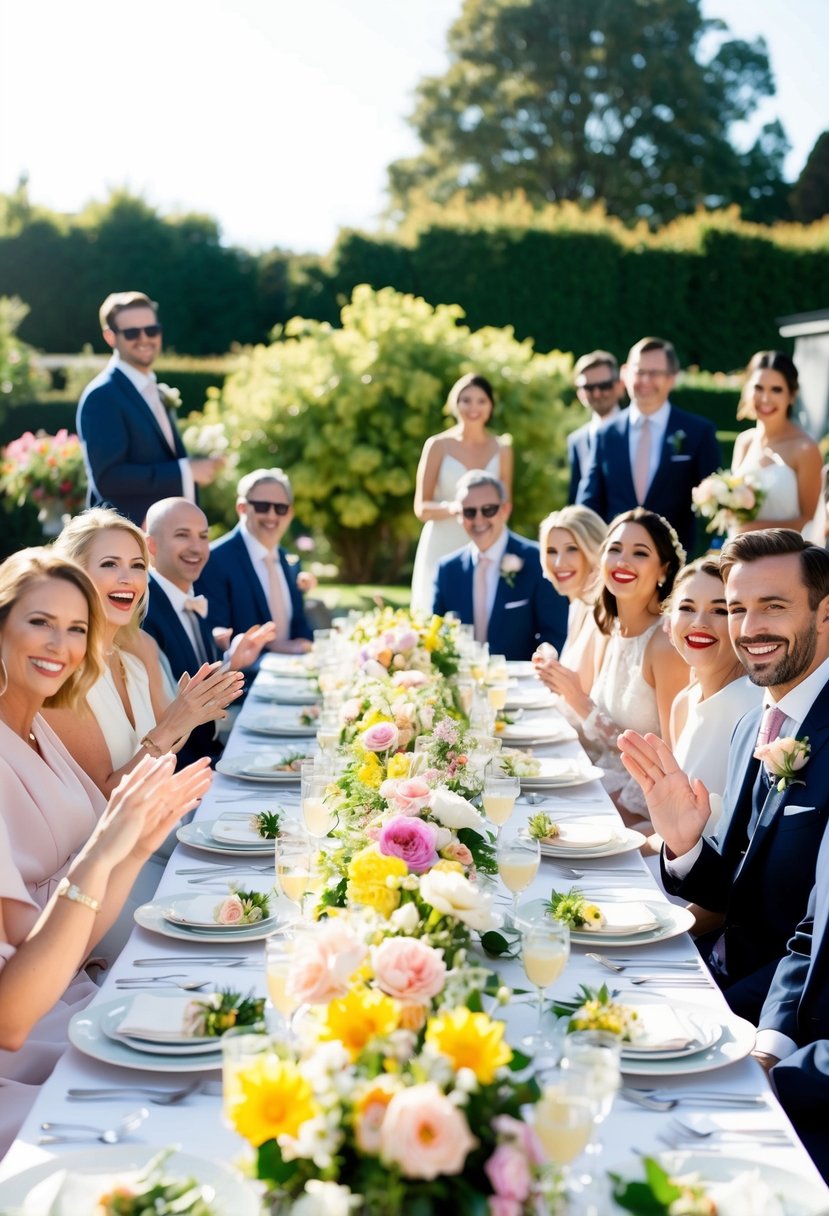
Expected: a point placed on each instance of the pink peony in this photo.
(381, 737)
(508, 1172)
(523, 1134)
(323, 963)
(408, 969)
(229, 911)
(410, 796)
(411, 839)
(410, 679)
(425, 1134)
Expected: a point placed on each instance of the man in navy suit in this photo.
(599, 389)
(248, 578)
(177, 539)
(758, 871)
(132, 449)
(652, 454)
(496, 583)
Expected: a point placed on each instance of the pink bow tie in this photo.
(198, 604)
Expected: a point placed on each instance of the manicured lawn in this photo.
(340, 598)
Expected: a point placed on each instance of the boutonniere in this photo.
(511, 563)
(783, 758)
(677, 442)
(170, 397)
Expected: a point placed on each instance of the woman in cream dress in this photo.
(469, 444)
(777, 452)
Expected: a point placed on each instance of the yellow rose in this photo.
(368, 875)
(399, 765)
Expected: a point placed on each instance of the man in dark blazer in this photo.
(132, 449)
(248, 578)
(177, 539)
(758, 871)
(652, 454)
(496, 583)
(599, 389)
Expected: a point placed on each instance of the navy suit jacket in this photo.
(128, 461)
(607, 485)
(762, 885)
(579, 451)
(525, 613)
(236, 597)
(162, 623)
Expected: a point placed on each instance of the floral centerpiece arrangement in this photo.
(46, 470)
(393, 640)
(726, 499)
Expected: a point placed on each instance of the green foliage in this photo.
(810, 196)
(587, 99)
(346, 412)
(20, 379)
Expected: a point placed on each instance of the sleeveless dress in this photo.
(48, 810)
(779, 481)
(440, 537)
(122, 738)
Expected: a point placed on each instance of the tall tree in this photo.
(810, 196)
(630, 101)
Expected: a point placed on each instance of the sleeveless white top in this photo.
(122, 738)
(779, 481)
(620, 690)
(704, 741)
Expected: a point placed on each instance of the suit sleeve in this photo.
(779, 1011)
(439, 605)
(106, 438)
(592, 492)
(575, 469)
(802, 1080)
(214, 584)
(708, 882)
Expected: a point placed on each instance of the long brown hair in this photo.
(668, 550)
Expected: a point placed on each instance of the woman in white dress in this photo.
(570, 541)
(469, 444)
(778, 452)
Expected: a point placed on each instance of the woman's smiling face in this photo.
(43, 641)
(699, 621)
(565, 563)
(630, 564)
(115, 564)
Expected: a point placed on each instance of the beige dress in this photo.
(48, 809)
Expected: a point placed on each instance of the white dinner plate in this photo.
(558, 773)
(234, 1195)
(267, 687)
(86, 1032)
(191, 912)
(799, 1196)
(529, 698)
(520, 669)
(255, 766)
(541, 730)
(298, 667)
(156, 1047)
(152, 916)
(672, 920)
(199, 836)
(707, 1029)
(734, 1042)
(281, 723)
(624, 841)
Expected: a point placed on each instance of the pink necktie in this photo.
(276, 600)
(480, 614)
(153, 399)
(642, 463)
(770, 725)
(198, 604)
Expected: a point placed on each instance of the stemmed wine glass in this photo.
(295, 867)
(545, 949)
(592, 1058)
(563, 1119)
(519, 856)
(499, 795)
(319, 819)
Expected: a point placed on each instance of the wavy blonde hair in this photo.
(76, 540)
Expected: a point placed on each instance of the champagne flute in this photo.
(593, 1059)
(563, 1120)
(545, 949)
(499, 795)
(319, 819)
(294, 864)
(279, 955)
(519, 856)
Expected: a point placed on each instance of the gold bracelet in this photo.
(68, 890)
(152, 747)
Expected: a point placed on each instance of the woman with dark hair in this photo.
(469, 444)
(641, 673)
(777, 452)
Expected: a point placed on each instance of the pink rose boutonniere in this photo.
(783, 758)
(511, 563)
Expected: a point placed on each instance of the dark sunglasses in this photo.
(489, 511)
(135, 331)
(262, 508)
(601, 386)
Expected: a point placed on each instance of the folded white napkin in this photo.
(196, 911)
(551, 727)
(585, 835)
(67, 1193)
(157, 1018)
(285, 664)
(661, 1028)
(557, 771)
(272, 767)
(235, 831)
(628, 917)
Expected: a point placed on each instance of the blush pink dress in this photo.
(48, 809)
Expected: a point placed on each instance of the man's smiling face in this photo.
(484, 529)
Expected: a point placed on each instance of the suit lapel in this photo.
(254, 585)
(145, 413)
(174, 629)
(618, 442)
(663, 469)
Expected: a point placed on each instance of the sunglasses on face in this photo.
(132, 332)
(489, 511)
(262, 508)
(601, 386)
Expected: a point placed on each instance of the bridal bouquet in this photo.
(726, 499)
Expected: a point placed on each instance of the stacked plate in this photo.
(586, 838)
(683, 1038)
(277, 767)
(288, 666)
(542, 729)
(521, 697)
(104, 1032)
(560, 773)
(232, 837)
(292, 691)
(189, 917)
(284, 720)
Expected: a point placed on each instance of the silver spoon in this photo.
(108, 1135)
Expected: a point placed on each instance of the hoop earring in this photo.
(5, 677)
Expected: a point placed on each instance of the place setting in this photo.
(276, 767)
(283, 720)
(147, 1030)
(232, 835)
(239, 916)
(585, 838)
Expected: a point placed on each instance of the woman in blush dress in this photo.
(777, 452)
(67, 862)
(570, 541)
(469, 444)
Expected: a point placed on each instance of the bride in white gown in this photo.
(469, 444)
(784, 459)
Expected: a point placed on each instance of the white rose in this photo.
(405, 918)
(325, 1199)
(455, 812)
(452, 894)
(444, 837)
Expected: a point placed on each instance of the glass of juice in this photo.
(563, 1121)
(518, 856)
(499, 795)
(317, 814)
(545, 949)
(294, 866)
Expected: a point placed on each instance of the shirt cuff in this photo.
(773, 1043)
(679, 867)
(188, 485)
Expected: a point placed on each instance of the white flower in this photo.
(170, 397)
(511, 563)
(405, 918)
(452, 894)
(318, 1140)
(326, 1199)
(455, 812)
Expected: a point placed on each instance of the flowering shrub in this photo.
(44, 469)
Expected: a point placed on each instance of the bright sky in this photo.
(277, 117)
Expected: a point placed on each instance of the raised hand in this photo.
(678, 808)
(246, 647)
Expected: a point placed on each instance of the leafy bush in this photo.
(20, 379)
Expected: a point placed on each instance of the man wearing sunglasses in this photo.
(132, 449)
(599, 389)
(248, 578)
(496, 582)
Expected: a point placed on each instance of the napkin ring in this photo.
(68, 890)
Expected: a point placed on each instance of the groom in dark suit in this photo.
(132, 449)
(652, 454)
(496, 583)
(759, 869)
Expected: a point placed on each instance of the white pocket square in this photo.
(680, 458)
(796, 810)
(516, 604)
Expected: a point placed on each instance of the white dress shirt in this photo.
(495, 553)
(659, 428)
(140, 380)
(258, 553)
(188, 619)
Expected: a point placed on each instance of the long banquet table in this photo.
(196, 1124)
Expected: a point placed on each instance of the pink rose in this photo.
(351, 710)
(508, 1172)
(412, 840)
(500, 1205)
(455, 851)
(410, 679)
(229, 911)
(324, 960)
(381, 737)
(425, 1134)
(524, 1135)
(411, 795)
(408, 969)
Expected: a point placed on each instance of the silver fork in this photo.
(128, 984)
(158, 1097)
(704, 1128)
(614, 965)
(107, 1135)
(652, 1101)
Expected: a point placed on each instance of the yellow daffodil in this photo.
(361, 1015)
(270, 1098)
(470, 1040)
(373, 717)
(369, 872)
